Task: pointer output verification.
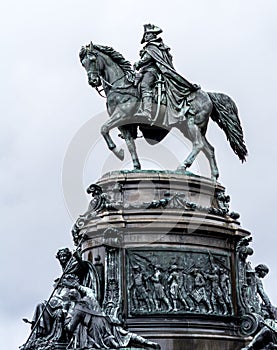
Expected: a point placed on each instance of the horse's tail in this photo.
(225, 114)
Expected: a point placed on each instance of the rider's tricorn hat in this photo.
(150, 28)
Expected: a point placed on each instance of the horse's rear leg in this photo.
(195, 136)
(208, 150)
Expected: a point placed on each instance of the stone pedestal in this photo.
(165, 248)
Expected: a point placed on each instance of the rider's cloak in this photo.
(177, 88)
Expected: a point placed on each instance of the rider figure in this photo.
(156, 60)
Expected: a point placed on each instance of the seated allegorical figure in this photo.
(48, 321)
(47, 325)
(90, 328)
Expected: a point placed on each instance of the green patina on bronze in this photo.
(156, 99)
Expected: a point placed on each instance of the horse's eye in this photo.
(91, 58)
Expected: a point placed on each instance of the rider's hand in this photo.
(136, 66)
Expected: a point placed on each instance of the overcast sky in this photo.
(46, 104)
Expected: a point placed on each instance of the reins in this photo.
(107, 83)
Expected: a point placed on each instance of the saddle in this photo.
(160, 100)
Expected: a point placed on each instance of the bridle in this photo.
(107, 83)
(95, 71)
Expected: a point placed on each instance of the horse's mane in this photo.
(114, 55)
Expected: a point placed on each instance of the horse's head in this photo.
(105, 65)
(88, 58)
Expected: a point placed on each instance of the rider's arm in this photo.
(145, 59)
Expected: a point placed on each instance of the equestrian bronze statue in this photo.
(156, 99)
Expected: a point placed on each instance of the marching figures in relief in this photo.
(203, 287)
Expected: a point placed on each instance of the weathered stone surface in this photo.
(189, 205)
(146, 249)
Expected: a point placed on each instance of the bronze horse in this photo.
(108, 68)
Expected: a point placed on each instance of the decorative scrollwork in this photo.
(250, 324)
(178, 200)
(99, 203)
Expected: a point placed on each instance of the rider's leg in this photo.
(146, 87)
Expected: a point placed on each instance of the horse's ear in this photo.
(82, 53)
(91, 45)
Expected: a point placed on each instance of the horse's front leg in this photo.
(105, 129)
(126, 134)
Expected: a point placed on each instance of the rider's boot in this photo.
(147, 108)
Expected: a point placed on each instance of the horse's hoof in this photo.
(137, 166)
(214, 177)
(119, 153)
(182, 168)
